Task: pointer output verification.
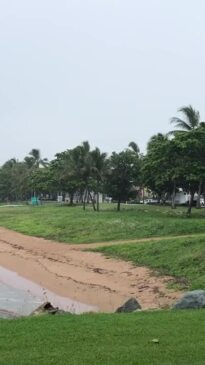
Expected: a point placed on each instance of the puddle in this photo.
(19, 296)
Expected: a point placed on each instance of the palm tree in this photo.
(191, 120)
(82, 168)
(98, 169)
(34, 159)
(135, 149)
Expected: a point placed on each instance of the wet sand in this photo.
(85, 277)
(20, 297)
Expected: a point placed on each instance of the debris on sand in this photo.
(47, 308)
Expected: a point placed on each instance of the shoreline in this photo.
(21, 296)
(85, 277)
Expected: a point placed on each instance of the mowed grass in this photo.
(116, 339)
(73, 225)
(182, 258)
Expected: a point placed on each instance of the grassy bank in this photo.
(72, 224)
(105, 339)
(182, 258)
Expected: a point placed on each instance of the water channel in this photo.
(20, 297)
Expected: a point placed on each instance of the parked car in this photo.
(134, 201)
(151, 201)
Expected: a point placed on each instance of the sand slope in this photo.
(87, 277)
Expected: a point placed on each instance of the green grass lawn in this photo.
(105, 339)
(183, 258)
(72, 224)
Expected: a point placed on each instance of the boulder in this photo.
(131, 305)
(191, 300)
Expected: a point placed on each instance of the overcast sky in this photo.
(107, 71)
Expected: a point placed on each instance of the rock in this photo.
(47, 308)
(131, 305)
(194, 299)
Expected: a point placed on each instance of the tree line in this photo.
(172, 161)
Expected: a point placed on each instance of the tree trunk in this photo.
(71, 198)
(174, 195)
(92, 201)
(98, 205)
(118, 204)
(190, 203)
(143, 194)
(84, 198)
(198, 203)
(81, 196)
(204, 196)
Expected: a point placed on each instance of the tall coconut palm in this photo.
(34, 161)
(82, 167)
(98, 169)
(190, 121)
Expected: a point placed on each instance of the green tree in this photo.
(43, 181)
(65, 174)
(14, 181)
(160, 168)
(191, 151)
(191, 121)
(123, 174)
(80, 170)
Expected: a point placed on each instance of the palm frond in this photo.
(179, 123)
(190, 122)
(192, 115)
(134, 147)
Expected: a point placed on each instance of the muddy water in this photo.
(19, 296)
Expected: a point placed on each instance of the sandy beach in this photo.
(86, 277)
